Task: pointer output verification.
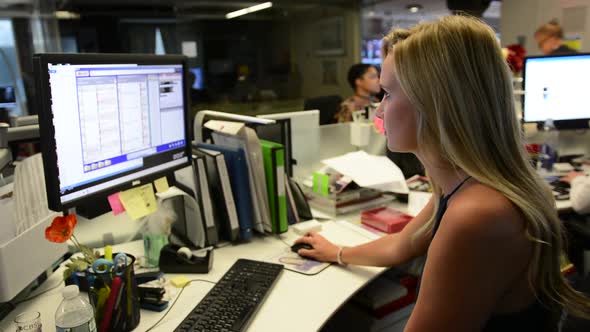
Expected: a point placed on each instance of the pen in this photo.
(110, 305)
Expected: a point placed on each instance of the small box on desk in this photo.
(385, 219)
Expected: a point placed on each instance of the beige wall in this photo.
(523, 17)
(309, 65)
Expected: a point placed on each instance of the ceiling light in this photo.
(65, 15)
(414, 8)
(248, 10)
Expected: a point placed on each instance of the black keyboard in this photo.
(234, 300)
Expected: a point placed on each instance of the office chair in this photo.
(407, 162)
(327, 105)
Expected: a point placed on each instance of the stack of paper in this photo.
(30, 198)
(370, 171)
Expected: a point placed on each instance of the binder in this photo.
(191, 224)
(224, 207)
(274, 167)
(247, 140)
(204, 198)
(238, 175)
(292, 213)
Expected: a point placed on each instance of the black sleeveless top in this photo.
(535, 317)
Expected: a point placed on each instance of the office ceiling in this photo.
(212, 9)
(430, 8)
(396, 13)
(191, 8)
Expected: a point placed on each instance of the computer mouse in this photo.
(295, 248)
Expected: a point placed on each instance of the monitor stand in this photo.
(94, 208)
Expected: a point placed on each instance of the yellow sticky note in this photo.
(179, 281)
(139, 202)
(161, 184)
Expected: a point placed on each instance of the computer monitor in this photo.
(7, 96)
(371, 51)
(305, 139)
(556, 88)
(109, 122)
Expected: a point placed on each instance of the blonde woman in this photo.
(549, 38)
(491, 232)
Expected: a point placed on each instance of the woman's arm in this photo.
(390, 250)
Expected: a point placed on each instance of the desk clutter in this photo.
(112, 291)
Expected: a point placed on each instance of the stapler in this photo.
(177, 259)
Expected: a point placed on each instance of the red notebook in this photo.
(385, 219)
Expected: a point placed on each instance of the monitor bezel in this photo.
(47, 130)
(581, 123)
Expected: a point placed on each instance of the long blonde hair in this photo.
(455, 76)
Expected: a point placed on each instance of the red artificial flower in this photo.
(61, 228)
(516, 54)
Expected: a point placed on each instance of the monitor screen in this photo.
(371, 51)
(7, 97)
(109, 123)
(196, 74)
(556, 88)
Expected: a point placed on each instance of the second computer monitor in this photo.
(557, 88)
(305, 139)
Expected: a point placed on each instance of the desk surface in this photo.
(296, 303)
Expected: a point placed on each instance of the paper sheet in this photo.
(30, 198)
(228, 127)
(370, 171)
(115, 203)
(189, 48)
(345, 234)
(161, 184)
(6, 214)
(139, 202)
(417, 200)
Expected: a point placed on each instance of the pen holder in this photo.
(115, 297)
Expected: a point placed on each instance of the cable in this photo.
(37, 295)
(176, 299)
(282, 240)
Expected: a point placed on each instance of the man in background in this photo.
(364, 81)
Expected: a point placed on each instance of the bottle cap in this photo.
(70, 292)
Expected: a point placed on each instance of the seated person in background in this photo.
(549, 37)
(579, 191)
(364, 80)
(491, 233)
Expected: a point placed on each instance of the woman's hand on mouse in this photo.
(323, 250)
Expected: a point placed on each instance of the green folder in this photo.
(274, 169)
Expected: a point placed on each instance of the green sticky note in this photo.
(321, 183)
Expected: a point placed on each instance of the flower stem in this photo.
(73, 238)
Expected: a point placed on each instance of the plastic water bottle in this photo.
(74, 314)
(551, 143)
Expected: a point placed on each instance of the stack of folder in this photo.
(347, 201)
(240, 186)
